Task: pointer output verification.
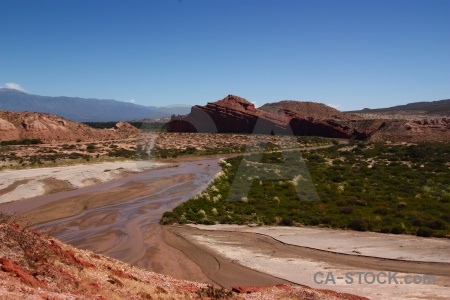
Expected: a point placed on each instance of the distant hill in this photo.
(50, 128)
(423, 109)
(84, 110)
(301, 108)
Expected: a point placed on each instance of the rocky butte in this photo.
(234, 114)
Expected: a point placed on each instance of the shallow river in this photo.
(123, 226)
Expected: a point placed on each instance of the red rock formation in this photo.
(6, 126)
(311, 127)
(8, 131)
(14, 269)
(236, 115)
(427, 130)
(50, 128)
(230, 115)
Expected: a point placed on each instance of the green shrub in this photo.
(21, 142)
(359, 225)
(398, 230)
(396, 199)
(424, 232)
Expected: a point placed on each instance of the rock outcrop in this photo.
(229, 115)
(426, 130)
(8, 131)
(234, 114)
(6, 126)
(237, 115)
(53, 129)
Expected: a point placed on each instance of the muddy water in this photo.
(120, 218)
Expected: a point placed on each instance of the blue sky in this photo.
(352, 54)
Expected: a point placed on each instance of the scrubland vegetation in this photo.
(32, 153)
(18, 154)
(172, 145)
(21, 142)
(362, 186)
(145, 126)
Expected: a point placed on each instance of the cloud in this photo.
(131, 101)
(336, 106)
(14, 86)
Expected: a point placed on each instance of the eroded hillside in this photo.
(53, 129)
(34, 266)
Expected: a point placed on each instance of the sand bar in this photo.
(372, 244)
(21, 184)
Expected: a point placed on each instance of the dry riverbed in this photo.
(275, 251)
(21, 184)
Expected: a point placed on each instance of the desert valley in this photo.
(224, 149)
(229, 201)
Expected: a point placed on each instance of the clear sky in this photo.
(351, 54)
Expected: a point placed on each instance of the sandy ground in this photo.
(299, 264)
(372, 244)
(218, 268)
(22, 184)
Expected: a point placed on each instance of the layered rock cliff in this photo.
(234, 114)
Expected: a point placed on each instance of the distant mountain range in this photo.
(84, 110)
(433, 108)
